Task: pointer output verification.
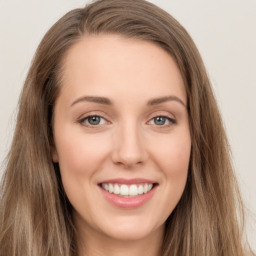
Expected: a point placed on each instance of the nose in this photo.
(129, 147)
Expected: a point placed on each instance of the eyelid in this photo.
(82, 119)
(167, 115)
(163, 114)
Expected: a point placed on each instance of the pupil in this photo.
(94, 120)
(160, 120)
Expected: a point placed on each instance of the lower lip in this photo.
(128, 202)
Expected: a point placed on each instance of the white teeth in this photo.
(133, 190)
(110, 188)
(145, 189)
(124, 190)
(105, 186)
(116, 189)
(140, 190)
(127, 190)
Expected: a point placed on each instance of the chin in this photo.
(132, 230)
(129, 234)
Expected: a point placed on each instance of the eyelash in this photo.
(171, 121)
(84, 121)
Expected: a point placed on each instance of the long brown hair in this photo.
(35, 215)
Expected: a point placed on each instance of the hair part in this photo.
(36, 216)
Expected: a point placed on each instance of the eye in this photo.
(162, 121)
(93, 120)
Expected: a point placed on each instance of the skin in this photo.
(127, 143)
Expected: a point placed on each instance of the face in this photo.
(122, 137)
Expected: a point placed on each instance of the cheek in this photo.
(173, 155)
(80, 157)
(79, 154)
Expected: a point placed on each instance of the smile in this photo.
(128, 194)
(125, 190)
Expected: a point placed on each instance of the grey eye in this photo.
(160, 120)
(94, 120)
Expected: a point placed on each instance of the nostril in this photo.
(129, 150)
(128, 162)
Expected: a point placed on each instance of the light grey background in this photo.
(225, 33)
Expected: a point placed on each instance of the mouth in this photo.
(128, 190)
(128, 193)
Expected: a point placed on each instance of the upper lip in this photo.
(129, 181)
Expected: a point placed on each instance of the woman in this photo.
(119, 147)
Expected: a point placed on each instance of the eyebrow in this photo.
(160, 100)
(95, 99)
(106, 101)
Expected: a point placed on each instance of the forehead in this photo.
(112, 64)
